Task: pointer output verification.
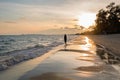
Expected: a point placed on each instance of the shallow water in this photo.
(18, 48)
(73, 62)
(77, 60)
(10, 43)
(16, 71)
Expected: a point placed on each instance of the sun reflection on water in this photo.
(89, 46)
(84, 74)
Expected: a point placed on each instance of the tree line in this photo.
(108, 20)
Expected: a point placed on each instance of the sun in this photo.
(86, 19)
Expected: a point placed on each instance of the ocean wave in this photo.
(7, 40)
(36, 46)
(17, 56)
(17, 50)
(21, 48)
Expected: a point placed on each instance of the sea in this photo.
(18, 48)
(9, 43)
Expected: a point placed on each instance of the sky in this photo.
(33, 16)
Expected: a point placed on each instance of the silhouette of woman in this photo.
(65, 39)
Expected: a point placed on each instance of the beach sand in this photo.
(111, 42)
(16, 71)
(77, 61)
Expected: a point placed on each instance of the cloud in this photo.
(12, 22)
(48, 9)
(39, 14)
(38, 2)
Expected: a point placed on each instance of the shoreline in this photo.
(110, 42)
(19, 56)
(20, 69)
(58, 65)
(10, 61)
(16, 71)
(107, 56)
(16, 57)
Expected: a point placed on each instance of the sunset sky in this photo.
(33, 16)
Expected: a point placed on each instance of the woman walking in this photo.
(65, 39)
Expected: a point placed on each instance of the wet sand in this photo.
(49, 76)
(16, 71)
(111, 42)
(76, 61)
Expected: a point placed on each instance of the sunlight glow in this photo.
(85, 55)
(86, 19)
(88, 44)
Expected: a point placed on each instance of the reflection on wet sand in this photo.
(90, 68)
(83, 44)
(72, 63)
(86, 59)
(85, 74)
(89, 45)
(49, 76)
(73, 50)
